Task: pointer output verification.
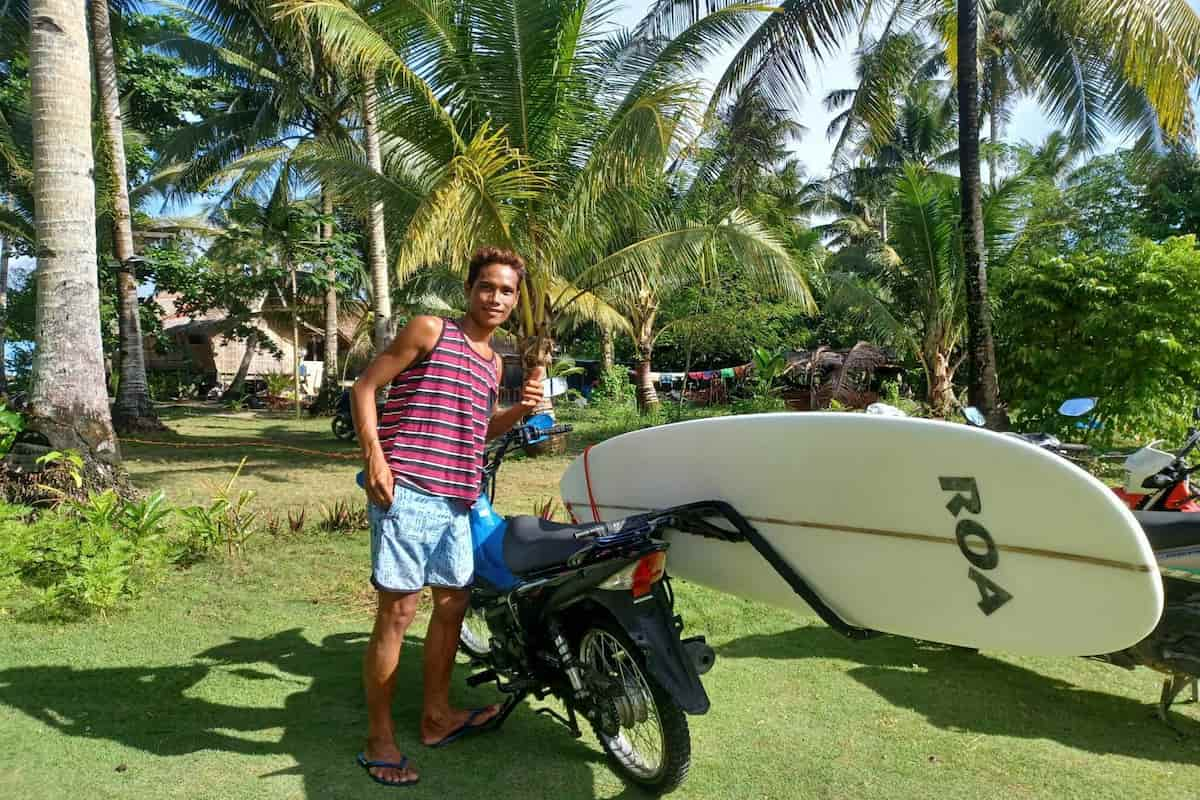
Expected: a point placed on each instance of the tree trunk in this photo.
(4, 256)
(133, 410)
(647, 397)
(381, 298)
(984, 389)
(330, 373)
(995, 121)
(291, 267)
(239, 378)
(68, 401)
(941, 385)
(607, 347)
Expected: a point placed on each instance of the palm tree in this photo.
(381, 298)
(913, 295)
(133, 410)
(68, 403)
(290, 98)
(983, 387)
(529, 85)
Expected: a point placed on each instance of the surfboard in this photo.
(925, 529)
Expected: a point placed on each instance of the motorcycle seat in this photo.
(1169, 529)
(532, 543)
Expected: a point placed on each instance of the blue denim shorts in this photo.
(422, 540)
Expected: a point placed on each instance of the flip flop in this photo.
(466, 729)
(401, 765)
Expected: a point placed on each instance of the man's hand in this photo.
(379, 482)
(533, 391)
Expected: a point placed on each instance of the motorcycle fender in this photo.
(648, 622)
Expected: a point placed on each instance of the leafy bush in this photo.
(84, 557)
(279, 384)
(228, 520)
(614, 387)
(11, 423)
(1119, 326)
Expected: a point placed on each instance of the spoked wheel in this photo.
(643, 730)
(342, 428)
(474, 640)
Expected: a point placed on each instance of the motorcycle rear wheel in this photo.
(474, 638)
(652, 747)
(342, 428)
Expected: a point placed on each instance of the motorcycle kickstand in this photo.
(570, 721)
(510, 705)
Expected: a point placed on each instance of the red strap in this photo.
(587, 476)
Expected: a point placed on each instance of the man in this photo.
(423, 470)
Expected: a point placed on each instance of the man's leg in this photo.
(392, 618)
(438, 719)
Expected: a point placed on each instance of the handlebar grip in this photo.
(558, 430)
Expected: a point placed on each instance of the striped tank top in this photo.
(434, 423)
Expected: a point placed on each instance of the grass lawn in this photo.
(240, 679)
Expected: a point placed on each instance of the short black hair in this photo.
(494, 255)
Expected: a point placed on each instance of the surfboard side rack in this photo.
(693, 518)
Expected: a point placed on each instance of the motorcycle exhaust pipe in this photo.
(703, 657)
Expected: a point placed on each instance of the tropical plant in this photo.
(1117, 325)
(916, 300)
(571, 128)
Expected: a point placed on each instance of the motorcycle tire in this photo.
(343, 429)
(676, 750)
(473, 639)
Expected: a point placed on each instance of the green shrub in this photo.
(614, 387)
(227, 520)
(83, 558)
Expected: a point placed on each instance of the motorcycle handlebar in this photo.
(1072, 447)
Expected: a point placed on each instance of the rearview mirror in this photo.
(975, 416)
(1077, 406)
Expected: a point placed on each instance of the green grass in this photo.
(240, 679)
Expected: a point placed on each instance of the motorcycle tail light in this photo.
(648, 572)
(639, 578)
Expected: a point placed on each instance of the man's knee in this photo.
(396, 610)
(450, 604)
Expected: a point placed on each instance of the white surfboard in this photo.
(924, 529)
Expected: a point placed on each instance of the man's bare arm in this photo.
(411, 344)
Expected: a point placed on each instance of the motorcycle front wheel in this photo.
(647, 740)
(343, 428)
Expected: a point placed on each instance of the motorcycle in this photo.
(1173, 647)
(585, 613)
(343, 417)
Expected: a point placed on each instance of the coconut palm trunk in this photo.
(607, 347)
(381, 297)
(647, 396)
(4, 257)
(68, 400)
(984, 389)
(133, 410)
(330, 371)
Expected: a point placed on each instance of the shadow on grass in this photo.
(961, 690)
(164, 711)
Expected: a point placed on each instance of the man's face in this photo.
(491, 299)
